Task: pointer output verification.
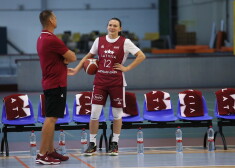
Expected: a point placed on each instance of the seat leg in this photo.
(215, 135)
(205, 140)
(2, 145)
(5, 141)
(105, 138)
(104, 126)
(100, 143)
(223, 137)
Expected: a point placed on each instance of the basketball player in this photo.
(54, 56)
(112, 51)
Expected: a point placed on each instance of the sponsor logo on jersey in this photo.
(98, 97)
(102, 46)
(118, 100)
(116, 47)
(108, 52)
(107, 72)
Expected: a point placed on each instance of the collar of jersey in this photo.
(46, 32)
(111, 40)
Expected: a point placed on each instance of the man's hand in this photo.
(71, 71)
(66, 62)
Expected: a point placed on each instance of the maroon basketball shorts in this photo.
(55, 101)
(116, 94)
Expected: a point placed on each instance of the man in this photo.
(54, 56)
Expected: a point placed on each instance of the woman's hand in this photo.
(120, 67)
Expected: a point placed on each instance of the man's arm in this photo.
(69, 56)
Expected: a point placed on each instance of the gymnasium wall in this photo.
(199, 15)
(153, 73)
(21, 17)
(138, 16)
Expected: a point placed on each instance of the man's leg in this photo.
(47, 142)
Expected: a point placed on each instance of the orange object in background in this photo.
(185, 49)
(192, 47)
(220, 38)
(171, 51)
(226, 49)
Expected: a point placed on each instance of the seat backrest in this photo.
(158, 107)
(204, 117)
(84, 118)
(41, 118)
(19, 121)
(225, 100)
(216, 113)
(159, 115)
(126, 117)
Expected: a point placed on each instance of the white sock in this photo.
(93, 138)
(115, 137)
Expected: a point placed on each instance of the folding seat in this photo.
(41, 113)
(131, 112)
(82, 112)
(17, 116)
(131, 118)
(192, 110)
(224, 111)
(158, 107)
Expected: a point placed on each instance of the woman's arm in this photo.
(73, 71)
(140, 57)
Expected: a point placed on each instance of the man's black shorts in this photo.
(55, 102)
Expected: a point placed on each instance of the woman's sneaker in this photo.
(91, 149)
(113, 149)
(46, 160)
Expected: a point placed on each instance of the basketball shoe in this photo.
(46, 160)
(113, 149)
(91, 149)
(56, 155)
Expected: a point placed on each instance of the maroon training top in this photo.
(50, 50)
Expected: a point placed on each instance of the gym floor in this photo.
(159, 143)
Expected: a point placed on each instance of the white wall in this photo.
(23, 26)
(199, 15)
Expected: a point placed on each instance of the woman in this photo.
(112, 51)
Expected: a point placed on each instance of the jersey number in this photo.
(107, 63)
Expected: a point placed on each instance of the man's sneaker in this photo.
(56, 155)
(46, 160)
(113, 149)
(91, 149)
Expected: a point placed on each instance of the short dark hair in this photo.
(44, 17)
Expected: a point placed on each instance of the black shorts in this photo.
(55, 100)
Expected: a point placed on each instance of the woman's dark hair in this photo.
(120, 23)
(44, 16)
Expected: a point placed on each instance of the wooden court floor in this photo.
(163, 157)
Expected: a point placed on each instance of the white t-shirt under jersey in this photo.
(129, 47)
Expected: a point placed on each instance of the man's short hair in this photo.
(44, 17)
